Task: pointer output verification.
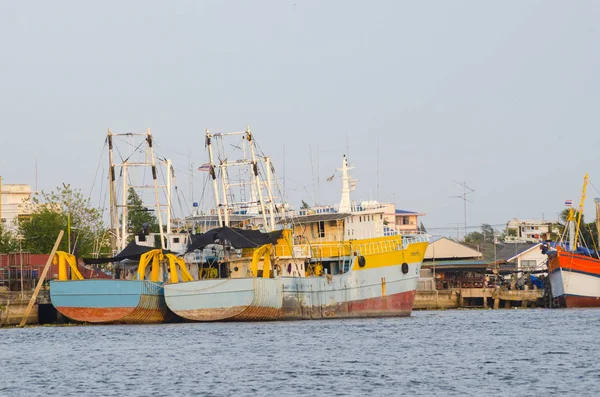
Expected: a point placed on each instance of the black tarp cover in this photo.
(238, 238)
(132, 251)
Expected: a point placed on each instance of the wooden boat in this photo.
(574, 272)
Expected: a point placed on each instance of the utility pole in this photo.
(466, 191)
(20, 237)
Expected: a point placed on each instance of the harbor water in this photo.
(454, 352)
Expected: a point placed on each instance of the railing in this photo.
(321, 250)
(377, 246)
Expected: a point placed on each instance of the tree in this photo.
(422, 228)
(488, 232)
(139, 218)
(8, 242)
(64, 209)
(588, 231)
(305, 205)
(482, 241)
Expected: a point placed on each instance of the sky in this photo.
(503, 96)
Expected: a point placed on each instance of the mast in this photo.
(581, 202)
(597, 201)
(345, 200)
(169, 172)
(270, 193)
(124, 206)
(213, 175)
(114, 236)
(225, 186)
(255, 176)
(155, 180)
(571, 228)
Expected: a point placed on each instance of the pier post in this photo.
(497, 303)
(485, 298)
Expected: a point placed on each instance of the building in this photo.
(454, 275)
(12, 207)
(528, 230)
(521, 257)
(401, 220)
(448, 264)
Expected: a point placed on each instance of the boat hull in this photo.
(575, 280)
(378, 292)
(110, 301)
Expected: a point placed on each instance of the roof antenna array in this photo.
(466, 191)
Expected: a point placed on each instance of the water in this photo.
(455, 352)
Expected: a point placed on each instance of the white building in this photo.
(527, 230)
(401, 221)
(12, 198)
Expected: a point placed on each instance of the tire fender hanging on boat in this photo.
(362, 262)
(405, 268)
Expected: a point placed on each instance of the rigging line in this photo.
(98, 167)
(178, 194)
(201, 202)
(590, 182)
(134, 151)
(171, 149)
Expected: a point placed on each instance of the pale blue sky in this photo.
(503, 95)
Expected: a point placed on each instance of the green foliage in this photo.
(422, 228)
(55, 211)
(512, 232)
(485, 236)
(138, 215)
(304, 205)
(8, 241)
(482, 241)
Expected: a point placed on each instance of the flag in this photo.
(204, 167)
(331, 178)
(568, 203)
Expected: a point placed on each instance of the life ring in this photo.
(362, 262)
(405, 268)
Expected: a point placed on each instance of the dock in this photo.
(14, 303)
(495, 298)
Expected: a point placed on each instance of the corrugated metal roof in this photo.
(508, 251)
(457, 263)
(406, 212)
(315, 218)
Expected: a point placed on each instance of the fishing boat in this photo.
(574, 271)
(136, 294)
(313, 264)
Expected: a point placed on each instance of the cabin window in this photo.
(321, 229)
(175, 240)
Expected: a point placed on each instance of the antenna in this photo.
(312, 172)
(36, 176)
(466, 191)
(347, 146)
(378, 198)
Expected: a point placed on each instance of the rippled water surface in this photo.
(470, 352)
